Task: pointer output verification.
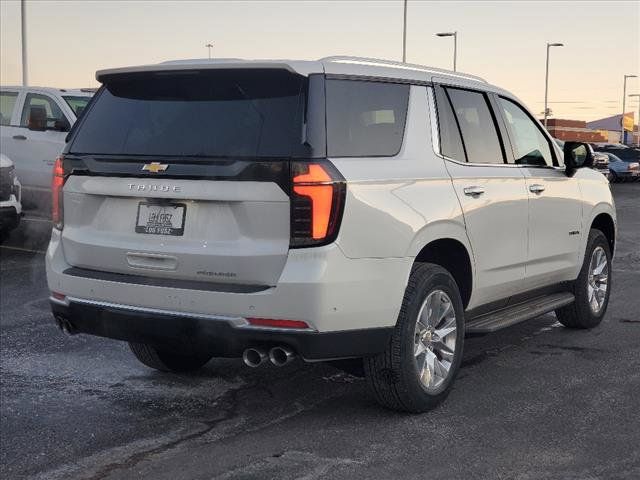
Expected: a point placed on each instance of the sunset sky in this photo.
(503, 42)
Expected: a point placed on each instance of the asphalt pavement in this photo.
(536, 401)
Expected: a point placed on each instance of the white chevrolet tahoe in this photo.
(345, 209)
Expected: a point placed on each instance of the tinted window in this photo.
(530, 146)
(7, 102)
(365, 119)
(450, 140)
(477, 126)
(223, 113)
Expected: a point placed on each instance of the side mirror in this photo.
(37, 118)
(577, 155)
(61, 125)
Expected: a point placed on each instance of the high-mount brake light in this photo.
(57, 183)
(317, 200)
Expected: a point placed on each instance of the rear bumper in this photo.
(350, 305)
(222, 336)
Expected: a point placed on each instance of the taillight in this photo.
(57, 182)
(317, 200)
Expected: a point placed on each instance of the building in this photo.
(611, 125)
(575, 131)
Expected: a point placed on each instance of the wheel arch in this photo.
(605, 223)
(453, 256)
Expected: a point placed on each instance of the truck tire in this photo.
(592, 287)
(165, 361)
(416, 371)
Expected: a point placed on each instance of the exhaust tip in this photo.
(253, 357)
(280, 356)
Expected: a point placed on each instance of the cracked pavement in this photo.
(533, 401)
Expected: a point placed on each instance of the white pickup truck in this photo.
(34, 123)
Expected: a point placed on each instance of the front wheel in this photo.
(416, 371)
(167, 361)
(592, 287)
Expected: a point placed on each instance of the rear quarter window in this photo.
(365, 118)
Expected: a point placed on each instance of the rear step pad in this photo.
(494, 321)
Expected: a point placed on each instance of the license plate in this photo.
(161, 219)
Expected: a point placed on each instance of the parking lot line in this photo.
(20, 249)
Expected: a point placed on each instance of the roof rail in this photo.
(393, 63)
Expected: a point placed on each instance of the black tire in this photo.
(166, 361)
(579, 314)
(393, 375)
(614, 178)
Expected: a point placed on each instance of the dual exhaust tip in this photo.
(279, 356)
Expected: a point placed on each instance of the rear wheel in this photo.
(592, 287)
(166, 361)
(416, 371)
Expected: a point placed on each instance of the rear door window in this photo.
(365, 119)
(214, 113)
(77, 104)
(7, 104)
(477, 126)
(450, 139)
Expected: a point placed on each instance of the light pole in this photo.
(23, 20)
(209, 46)
(637, 95)
(455, 45)
(624, 98)
(546, 81)
(404, 34)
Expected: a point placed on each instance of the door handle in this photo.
(536, 188)
(19, 137)
(473, 191)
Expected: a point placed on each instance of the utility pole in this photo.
(624, 98)
(23, 19)
(209, 46)
(546, 81)
(637, 95)
(404, 34)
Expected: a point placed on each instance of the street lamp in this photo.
(209, 46)
(637, 95)
(546, 81)
(404, 34)
(455, 45)
(624, 97)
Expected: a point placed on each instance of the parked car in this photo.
(34, 122)
(335, 209)
(622, 170)
(10, 195)
(623, 152)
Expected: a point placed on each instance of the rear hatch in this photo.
(184, 176)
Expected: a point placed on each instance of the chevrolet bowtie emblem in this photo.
(155, 167)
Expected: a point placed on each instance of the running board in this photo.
(494, 321)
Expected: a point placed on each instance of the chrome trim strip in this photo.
(435, 128)
(235, 322)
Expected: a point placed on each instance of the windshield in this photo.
(213, 113)
(77, 104)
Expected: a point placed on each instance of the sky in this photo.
(502, 41)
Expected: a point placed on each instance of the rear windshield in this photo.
(77, 104)
(219, 113)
